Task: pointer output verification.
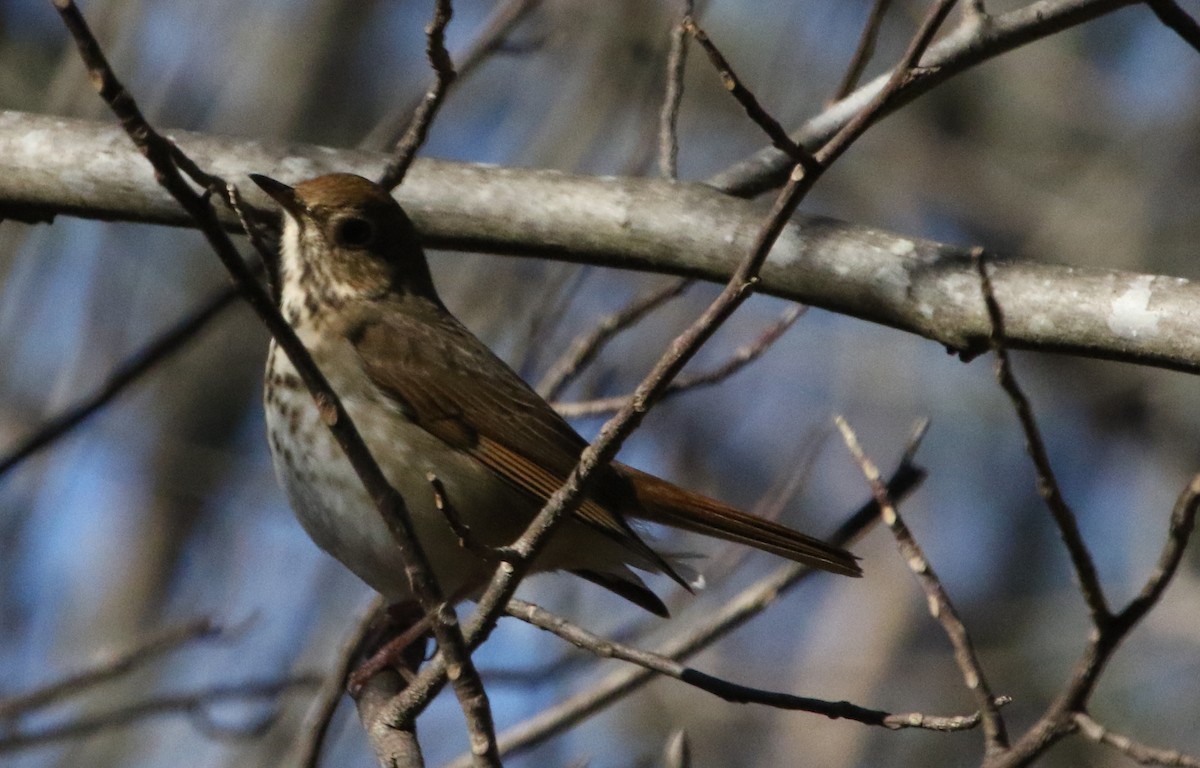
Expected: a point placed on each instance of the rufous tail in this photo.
(666, 503)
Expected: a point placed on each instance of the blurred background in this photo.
(1080, 150)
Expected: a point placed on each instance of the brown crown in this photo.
(343, 190)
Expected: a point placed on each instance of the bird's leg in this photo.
(406, 624)
(409, 623)
(395, 644)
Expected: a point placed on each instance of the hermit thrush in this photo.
(431, 400)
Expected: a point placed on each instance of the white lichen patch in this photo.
(296, 168)
(788, 248)
(1131, 315)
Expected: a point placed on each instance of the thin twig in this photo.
(940, 607)
(1139, 753)
(194, 704)
(127, 373)
(724, 689)
(464, 677)
(741, 357)
(584, 349)
(772, 504)
(1177, 19)
(1179, 531)
(490, 38)
(460, 668)
(1047, 483)
(964, 48)
(1059, 719)
(770, 126)
(106, 669)
(864, 51)
(253, 220)
(730, 616)
(320, 712)
(903, 73)
(559, 289)
(160, 153)
(252, 223)
(418, 128)
(1109, 629)
(668, 118)
(466, 539)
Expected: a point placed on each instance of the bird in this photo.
(450, 424)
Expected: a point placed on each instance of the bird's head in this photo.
(344, 239)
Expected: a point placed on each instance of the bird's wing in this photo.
(451, 385)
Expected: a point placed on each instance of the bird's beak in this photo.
(280, 193)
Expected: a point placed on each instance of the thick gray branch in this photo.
(50, 165)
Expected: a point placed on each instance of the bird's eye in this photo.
(353, 232)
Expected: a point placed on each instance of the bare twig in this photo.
(127, 373)
(772, 503)
(901, 75)
(724, 689)
(461, 669)
(741, 357)
(252, 223)
(940, 606)
(668, 119)
(779, 137)
(864, 51)
(320, 712)
(1139, 753)
(106, 669)
(1060, 718)
(745, 354)
(559, 289)
(1047, 483)
(466, 539)
(968, 45)
(418, 129)
(730, 616)
(491, 38)
(1179, 531)
(160, 153)
(194, 704)
(584, 349)
(1169, 13)
(1109, 629)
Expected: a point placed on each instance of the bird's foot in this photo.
(399, 644)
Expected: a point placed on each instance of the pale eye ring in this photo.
(353, 232)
